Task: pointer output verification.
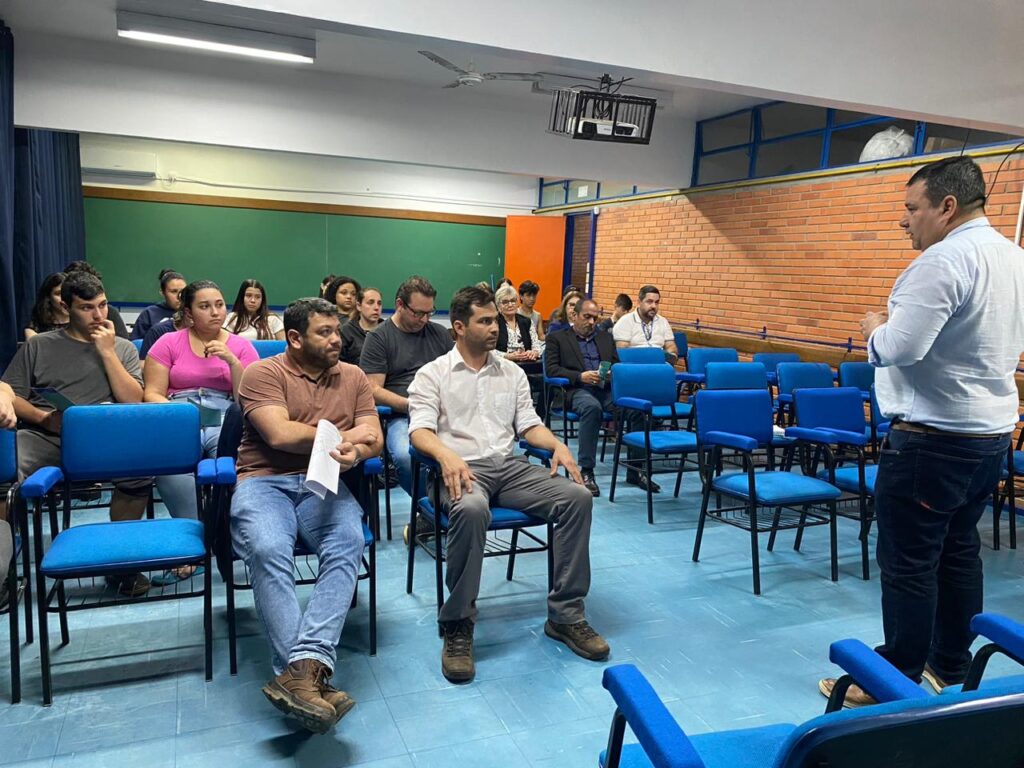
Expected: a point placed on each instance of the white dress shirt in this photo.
(477, 414)
(948, 353)
(630, 328)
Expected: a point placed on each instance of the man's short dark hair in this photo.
(465, 299)
(83, 266)
(297, 314)
(644, 290)
(623, 302)
(957, 176)
(415, 284)
(81, 284)
(528, 288)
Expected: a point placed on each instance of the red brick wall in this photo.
(806, 259)
(581, 235)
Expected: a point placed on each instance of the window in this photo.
(727, 131)
(789, 156)
(785, 119)
(725, 166)
(943, 138)
(552, 193)
(846, 144)
(582, 191)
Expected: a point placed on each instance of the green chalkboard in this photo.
(130, 241)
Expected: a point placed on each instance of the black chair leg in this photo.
(650, 495)
(754, 557)
(12, 608)
(26, 569)
(412, 544)
(864, 554)
(512, 554)
(232, 626)
(706, 498)
(44, 638)
(679, 476)
(833, 537)
(208, 614)
(615, 463)
(1012, 511)
(373, 599)
(775, 528)
(62, 604)
(996, 509)
(800, 531)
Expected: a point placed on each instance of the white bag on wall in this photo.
(884, 145)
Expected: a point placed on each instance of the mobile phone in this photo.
(603, 369)
(53, 397)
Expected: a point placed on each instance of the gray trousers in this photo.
(514, 483)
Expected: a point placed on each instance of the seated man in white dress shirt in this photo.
(466, 409)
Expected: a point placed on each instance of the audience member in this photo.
(484, 285)
(565, 314)
(353, 333)
(112, 314)
(48, 313)
(946, 352)
(250, 317)
(645, 327)
(576, 354)
(283, 398)
(87, 364)
(324, 283)
(158, 330)
(505, 281)
(171, 286)
(466, 410)
(344, 292)
(528, 291)
(394, 352)
(200, 364)
(623, 304)
(516, 338)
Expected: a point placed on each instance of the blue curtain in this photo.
(9, 328)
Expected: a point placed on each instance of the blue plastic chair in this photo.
(799, 376)
(977, 728)
(16, 520)
(697, 360)
(879, 426)
(857, 374)
(741, 420)
(647, 355)
(682, 344)
(502, 519)
(1005, 636)
(1013, 467)
(138, 345)
(568, 416)
(736, 376)
(114, 548)
(771, 361)
(647, 390)
(832, 422)
(226, 556)
(269, 347)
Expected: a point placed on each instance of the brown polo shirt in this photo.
(341, 395)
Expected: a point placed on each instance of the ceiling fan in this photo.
(472, 77)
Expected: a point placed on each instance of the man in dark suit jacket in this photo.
(576, 354)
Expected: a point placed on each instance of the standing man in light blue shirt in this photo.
(946, 350)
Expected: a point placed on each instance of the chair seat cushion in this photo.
(777, 487)
(501, 517)
(668, 441)
(679, 410)
(136, 545)
(747, 748)
(848, 478)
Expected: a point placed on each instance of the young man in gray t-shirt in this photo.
(392, 354)
(87, 364)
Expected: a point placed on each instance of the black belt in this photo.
(926, 429)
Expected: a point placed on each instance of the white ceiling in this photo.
(358, 53)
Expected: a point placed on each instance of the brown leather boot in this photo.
(296, 692)
(457, 653)
(340, 700)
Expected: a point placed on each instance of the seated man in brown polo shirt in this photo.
(282, 399)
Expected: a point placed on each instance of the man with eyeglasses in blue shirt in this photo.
(946, 350)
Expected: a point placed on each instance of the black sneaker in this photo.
(457, 653)
(641, 481)
(131, 585)
(589, 483)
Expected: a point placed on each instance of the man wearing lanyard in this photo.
(946, 350)
(645, 328)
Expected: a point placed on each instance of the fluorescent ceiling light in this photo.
(215, 37)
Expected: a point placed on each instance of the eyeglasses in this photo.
(508, 302)
(419, 314)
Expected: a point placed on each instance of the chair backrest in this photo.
(648, 355)
(697, 359)
(8, 456)
(682, 344)
(101, 442)
(746, 412)
(656, 383)
(771, 360)
(736, 376)
(269, 347)
(138, 345)
(859, 375)
(948, 731)
(800, 375)
(832, 408)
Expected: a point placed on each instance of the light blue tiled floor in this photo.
(130, 688)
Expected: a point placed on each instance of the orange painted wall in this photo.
(535, 250)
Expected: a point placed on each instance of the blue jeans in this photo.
(268, 516)
(930, 493)
(398, 447)
(178, 492)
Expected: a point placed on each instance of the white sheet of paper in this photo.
(323, 471)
